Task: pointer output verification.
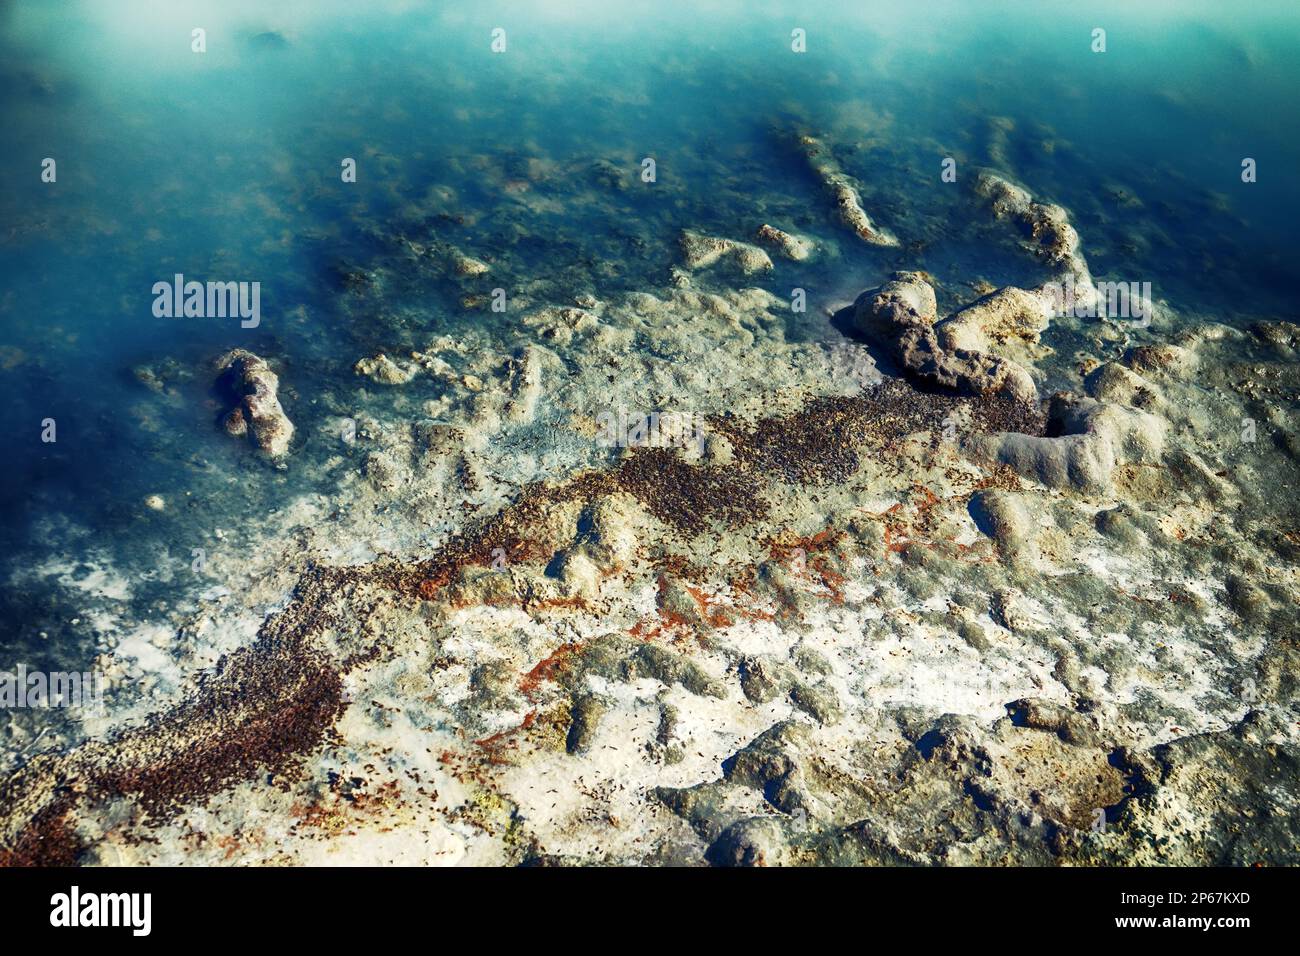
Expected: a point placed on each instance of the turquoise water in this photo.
(225, 165)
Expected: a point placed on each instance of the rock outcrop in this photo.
(1087, 440)
(900, 316)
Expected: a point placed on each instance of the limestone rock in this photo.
(1054, 239)
(1004, 518)
(380, 368)
(700, 251)
(1009, 314)
(900, 316)
(1091, 439)
(843, 190)
(792, 247)
(757, 841)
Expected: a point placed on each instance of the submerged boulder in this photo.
(383, 370)
(1047, 226)
(247, 383)
(700, 251)
(789, 245)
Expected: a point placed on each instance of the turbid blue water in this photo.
(225, 165)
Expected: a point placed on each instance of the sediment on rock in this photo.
(266, 705)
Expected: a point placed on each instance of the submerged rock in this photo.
(380, 368)
(790, 246)
(700, 251)
(843, 191)
(1050, 237)
(247, 382)
(1048, 227)
(464, 265)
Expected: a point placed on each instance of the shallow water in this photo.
(225, 166)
